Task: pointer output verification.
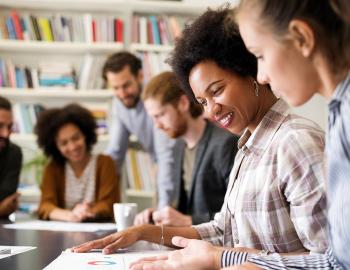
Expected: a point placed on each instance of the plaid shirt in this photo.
(275, 199)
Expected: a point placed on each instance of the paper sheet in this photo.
(15, 250)
(61, 226)
(98, 261)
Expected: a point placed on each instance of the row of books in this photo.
(53, 74)
(47, 74)
(159, 30)
(153, 64)
(56, 27)
(140, 169)
(26, 116)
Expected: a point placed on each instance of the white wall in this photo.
(315, 109)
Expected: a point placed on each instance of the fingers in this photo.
(145, 217)
(100, 243)
(149, 259)
(180, 241)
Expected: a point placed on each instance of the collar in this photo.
(339, 93)
(266, 130)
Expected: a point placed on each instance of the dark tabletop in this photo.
(49, 245)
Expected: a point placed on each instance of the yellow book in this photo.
(45, 29)
(135, 169)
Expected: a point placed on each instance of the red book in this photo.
(93, 30)
(150, 39)
(17, 24)
(119, 27)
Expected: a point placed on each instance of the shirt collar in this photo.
(339, 93)
(265, 131)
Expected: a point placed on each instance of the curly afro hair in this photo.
(51, 120)
(212, 36)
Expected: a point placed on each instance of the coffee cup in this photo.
(124, 214)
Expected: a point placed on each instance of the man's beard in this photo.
(130, 101)
(4, 142)
(179, 130)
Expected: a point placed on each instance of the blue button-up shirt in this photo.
(338, 156)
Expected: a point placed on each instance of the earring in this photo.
(256, 87)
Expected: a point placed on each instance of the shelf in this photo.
(139, 193)
(56, 93)
(60, 47)
(31, 138)
(87, 5)
(151, 47)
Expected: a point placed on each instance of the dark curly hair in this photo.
(212, 36)
(51, 120)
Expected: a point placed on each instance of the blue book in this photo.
(11, 28)
(155, 29)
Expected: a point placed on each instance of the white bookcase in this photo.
(30, 52)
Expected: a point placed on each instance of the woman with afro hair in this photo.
(77, 185)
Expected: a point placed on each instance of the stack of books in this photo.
(56, 74)
(56, 27)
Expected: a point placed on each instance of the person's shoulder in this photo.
(104, 159)
(15, 150)
(302, 133)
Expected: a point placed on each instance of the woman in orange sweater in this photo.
(77, 185)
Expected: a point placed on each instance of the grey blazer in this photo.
(213, 163)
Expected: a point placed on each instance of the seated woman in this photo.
(275, 199)
(77, 185)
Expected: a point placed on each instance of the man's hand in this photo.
(112, 242)
(82, 211)
(9, 204)
(145, 217)
(168, 216)
(195, 255)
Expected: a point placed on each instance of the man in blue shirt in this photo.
(123, 73)
(10, 162)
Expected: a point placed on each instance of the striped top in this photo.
(275, 199)
(81, 189)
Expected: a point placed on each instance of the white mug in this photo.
(124, 214)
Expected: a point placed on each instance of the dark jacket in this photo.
(10, 168)
(213, 163)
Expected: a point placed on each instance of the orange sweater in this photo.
(107, 188)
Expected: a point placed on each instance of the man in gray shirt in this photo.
(10, 162)
(123, 73)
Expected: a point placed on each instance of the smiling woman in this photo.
(76, 185)
(275, 200)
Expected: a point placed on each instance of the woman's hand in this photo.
(195, 255)
(83, 211)
(113, 242)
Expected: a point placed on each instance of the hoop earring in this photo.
(256, 88)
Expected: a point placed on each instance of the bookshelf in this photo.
(30, 52)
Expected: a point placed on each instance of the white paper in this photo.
(15, 250)
(98, 261)
(61, 226)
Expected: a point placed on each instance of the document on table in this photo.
(61, 226)
(13, 250)
(98, 261)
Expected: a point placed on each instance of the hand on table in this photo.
(168, 216)
(112, 242)
(82, 211)
(195, 255)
